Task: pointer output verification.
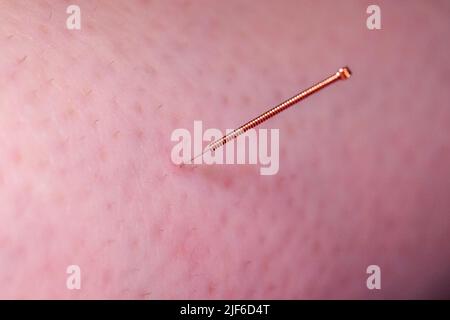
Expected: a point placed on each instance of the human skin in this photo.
(86, 176)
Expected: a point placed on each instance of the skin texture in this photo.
(85, 171)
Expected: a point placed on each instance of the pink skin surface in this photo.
(86, 176)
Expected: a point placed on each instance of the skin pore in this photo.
(86, 176)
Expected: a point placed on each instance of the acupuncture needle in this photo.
(342, 74)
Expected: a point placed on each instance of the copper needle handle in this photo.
(342, 74)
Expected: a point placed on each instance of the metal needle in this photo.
(342, 74)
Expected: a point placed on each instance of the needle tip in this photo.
(193, 158)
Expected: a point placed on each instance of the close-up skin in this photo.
(87, 177)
